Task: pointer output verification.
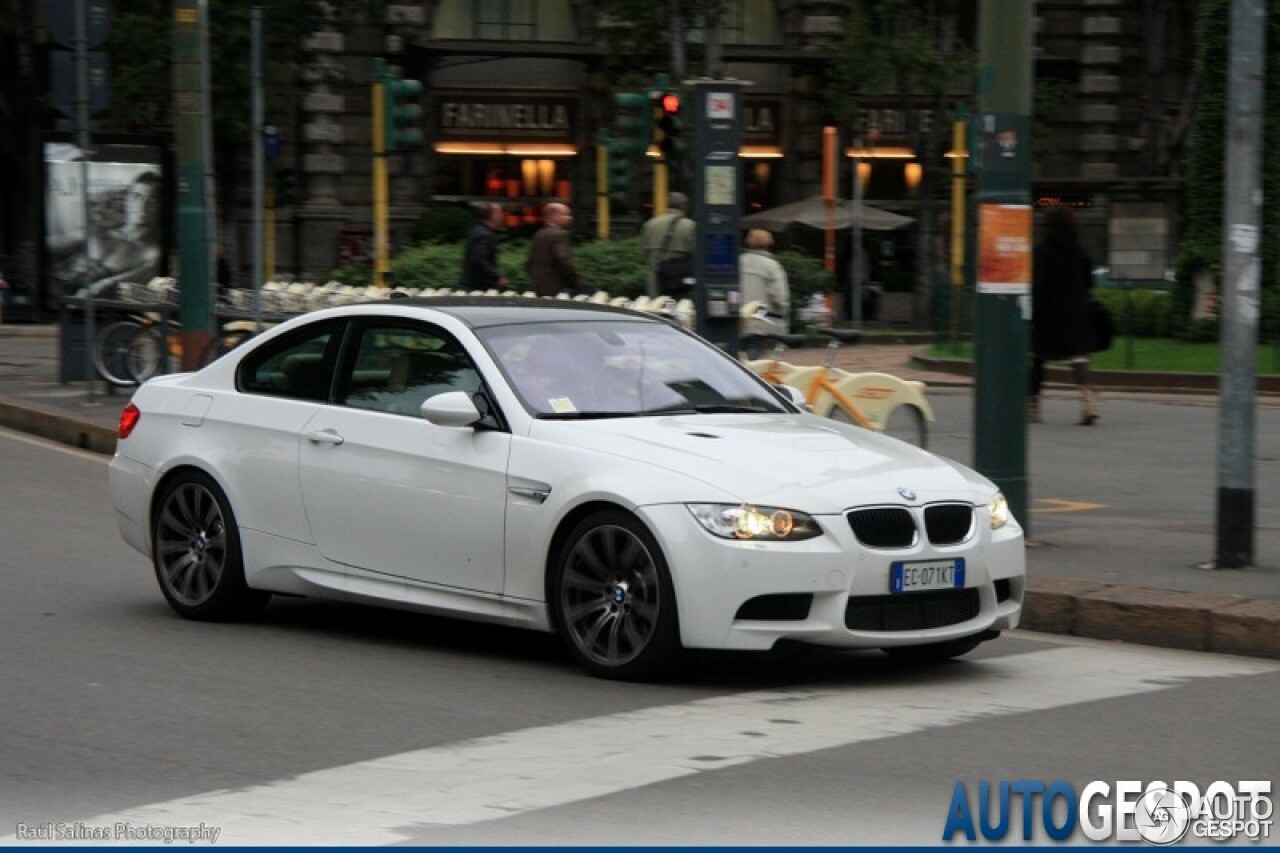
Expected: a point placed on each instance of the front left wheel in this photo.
(612, 599)
(195, 547)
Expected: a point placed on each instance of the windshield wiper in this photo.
(585, 416)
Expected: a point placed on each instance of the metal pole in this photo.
(190, 103)
(602, 186)
(210, 191)
(855, 253)
(1004, 196)
(382, 233)
(959, 163)
(381, 237)
(1242, 264)
(259, 176)
(83, 142)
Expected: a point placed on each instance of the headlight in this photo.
(998, 509)
(755, 523)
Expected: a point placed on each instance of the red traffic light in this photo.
(671, 103)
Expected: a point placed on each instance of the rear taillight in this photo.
(128, 420)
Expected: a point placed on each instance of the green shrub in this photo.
(805, 276)
(612, 265)
(355, 275)
(428, 265)
(1139, 312)
(444, 224)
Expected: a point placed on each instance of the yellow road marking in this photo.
(1047, 505)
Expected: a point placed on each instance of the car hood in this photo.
(798, 461)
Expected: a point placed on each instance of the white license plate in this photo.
(926, 574)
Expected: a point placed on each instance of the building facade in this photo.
(516, 92)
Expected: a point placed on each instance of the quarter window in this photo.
(295, 366)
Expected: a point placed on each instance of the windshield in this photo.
(620, 368)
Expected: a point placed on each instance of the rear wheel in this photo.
(126, 353)
(195, 546)
(907, 423)
(612, 600)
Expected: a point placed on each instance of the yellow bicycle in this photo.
(876, 401)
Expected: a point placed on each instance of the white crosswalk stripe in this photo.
(387, 800)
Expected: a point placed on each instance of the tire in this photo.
(195, 547)
(126, 353)
(612, 600)
(907, 423)
(935, 652)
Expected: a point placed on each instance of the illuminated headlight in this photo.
(755, 523)
(998, 510)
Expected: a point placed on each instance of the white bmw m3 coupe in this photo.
(560, 466)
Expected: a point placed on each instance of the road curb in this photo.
(28, 417)
(1229, 624)
(1108, 380)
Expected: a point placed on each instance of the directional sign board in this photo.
(717, 207)
(60, 15)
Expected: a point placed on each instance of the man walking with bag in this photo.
(668, 237)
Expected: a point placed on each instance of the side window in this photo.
(397, 367)
(292, 366)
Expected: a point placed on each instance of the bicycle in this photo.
(875, 401)
(129, 351)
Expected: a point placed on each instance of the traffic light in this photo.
(286, 187)
(620, 167)
(667, 125)
(631, 127)
(401, 112)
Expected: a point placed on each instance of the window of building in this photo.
(505, 20)
(743, 22)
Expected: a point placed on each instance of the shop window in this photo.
(521, 186)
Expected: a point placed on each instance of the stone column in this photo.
(321, 214)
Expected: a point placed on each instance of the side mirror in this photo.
(794, 396)
(451, 409)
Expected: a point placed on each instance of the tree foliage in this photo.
(1201, 245)
(914, 53)
(140, 49)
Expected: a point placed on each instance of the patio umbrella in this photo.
(813, 213)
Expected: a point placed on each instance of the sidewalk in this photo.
(1241, 615)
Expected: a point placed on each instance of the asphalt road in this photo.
(324, 723)
(1132, 500)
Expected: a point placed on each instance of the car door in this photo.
(388, 492)
(280, 386)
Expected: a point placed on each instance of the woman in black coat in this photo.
(1060, 326)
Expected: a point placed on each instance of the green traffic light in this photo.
(631, 124)
(402, 114)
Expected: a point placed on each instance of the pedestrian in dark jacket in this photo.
(1062, 277)
(480, 255)
(551, 269)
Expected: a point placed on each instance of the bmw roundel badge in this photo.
(907, 494)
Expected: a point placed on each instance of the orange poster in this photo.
(1004, 248)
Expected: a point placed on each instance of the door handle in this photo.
(325, 436)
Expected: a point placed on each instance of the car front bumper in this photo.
(749, 595)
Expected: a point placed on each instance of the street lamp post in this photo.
(855, 253)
